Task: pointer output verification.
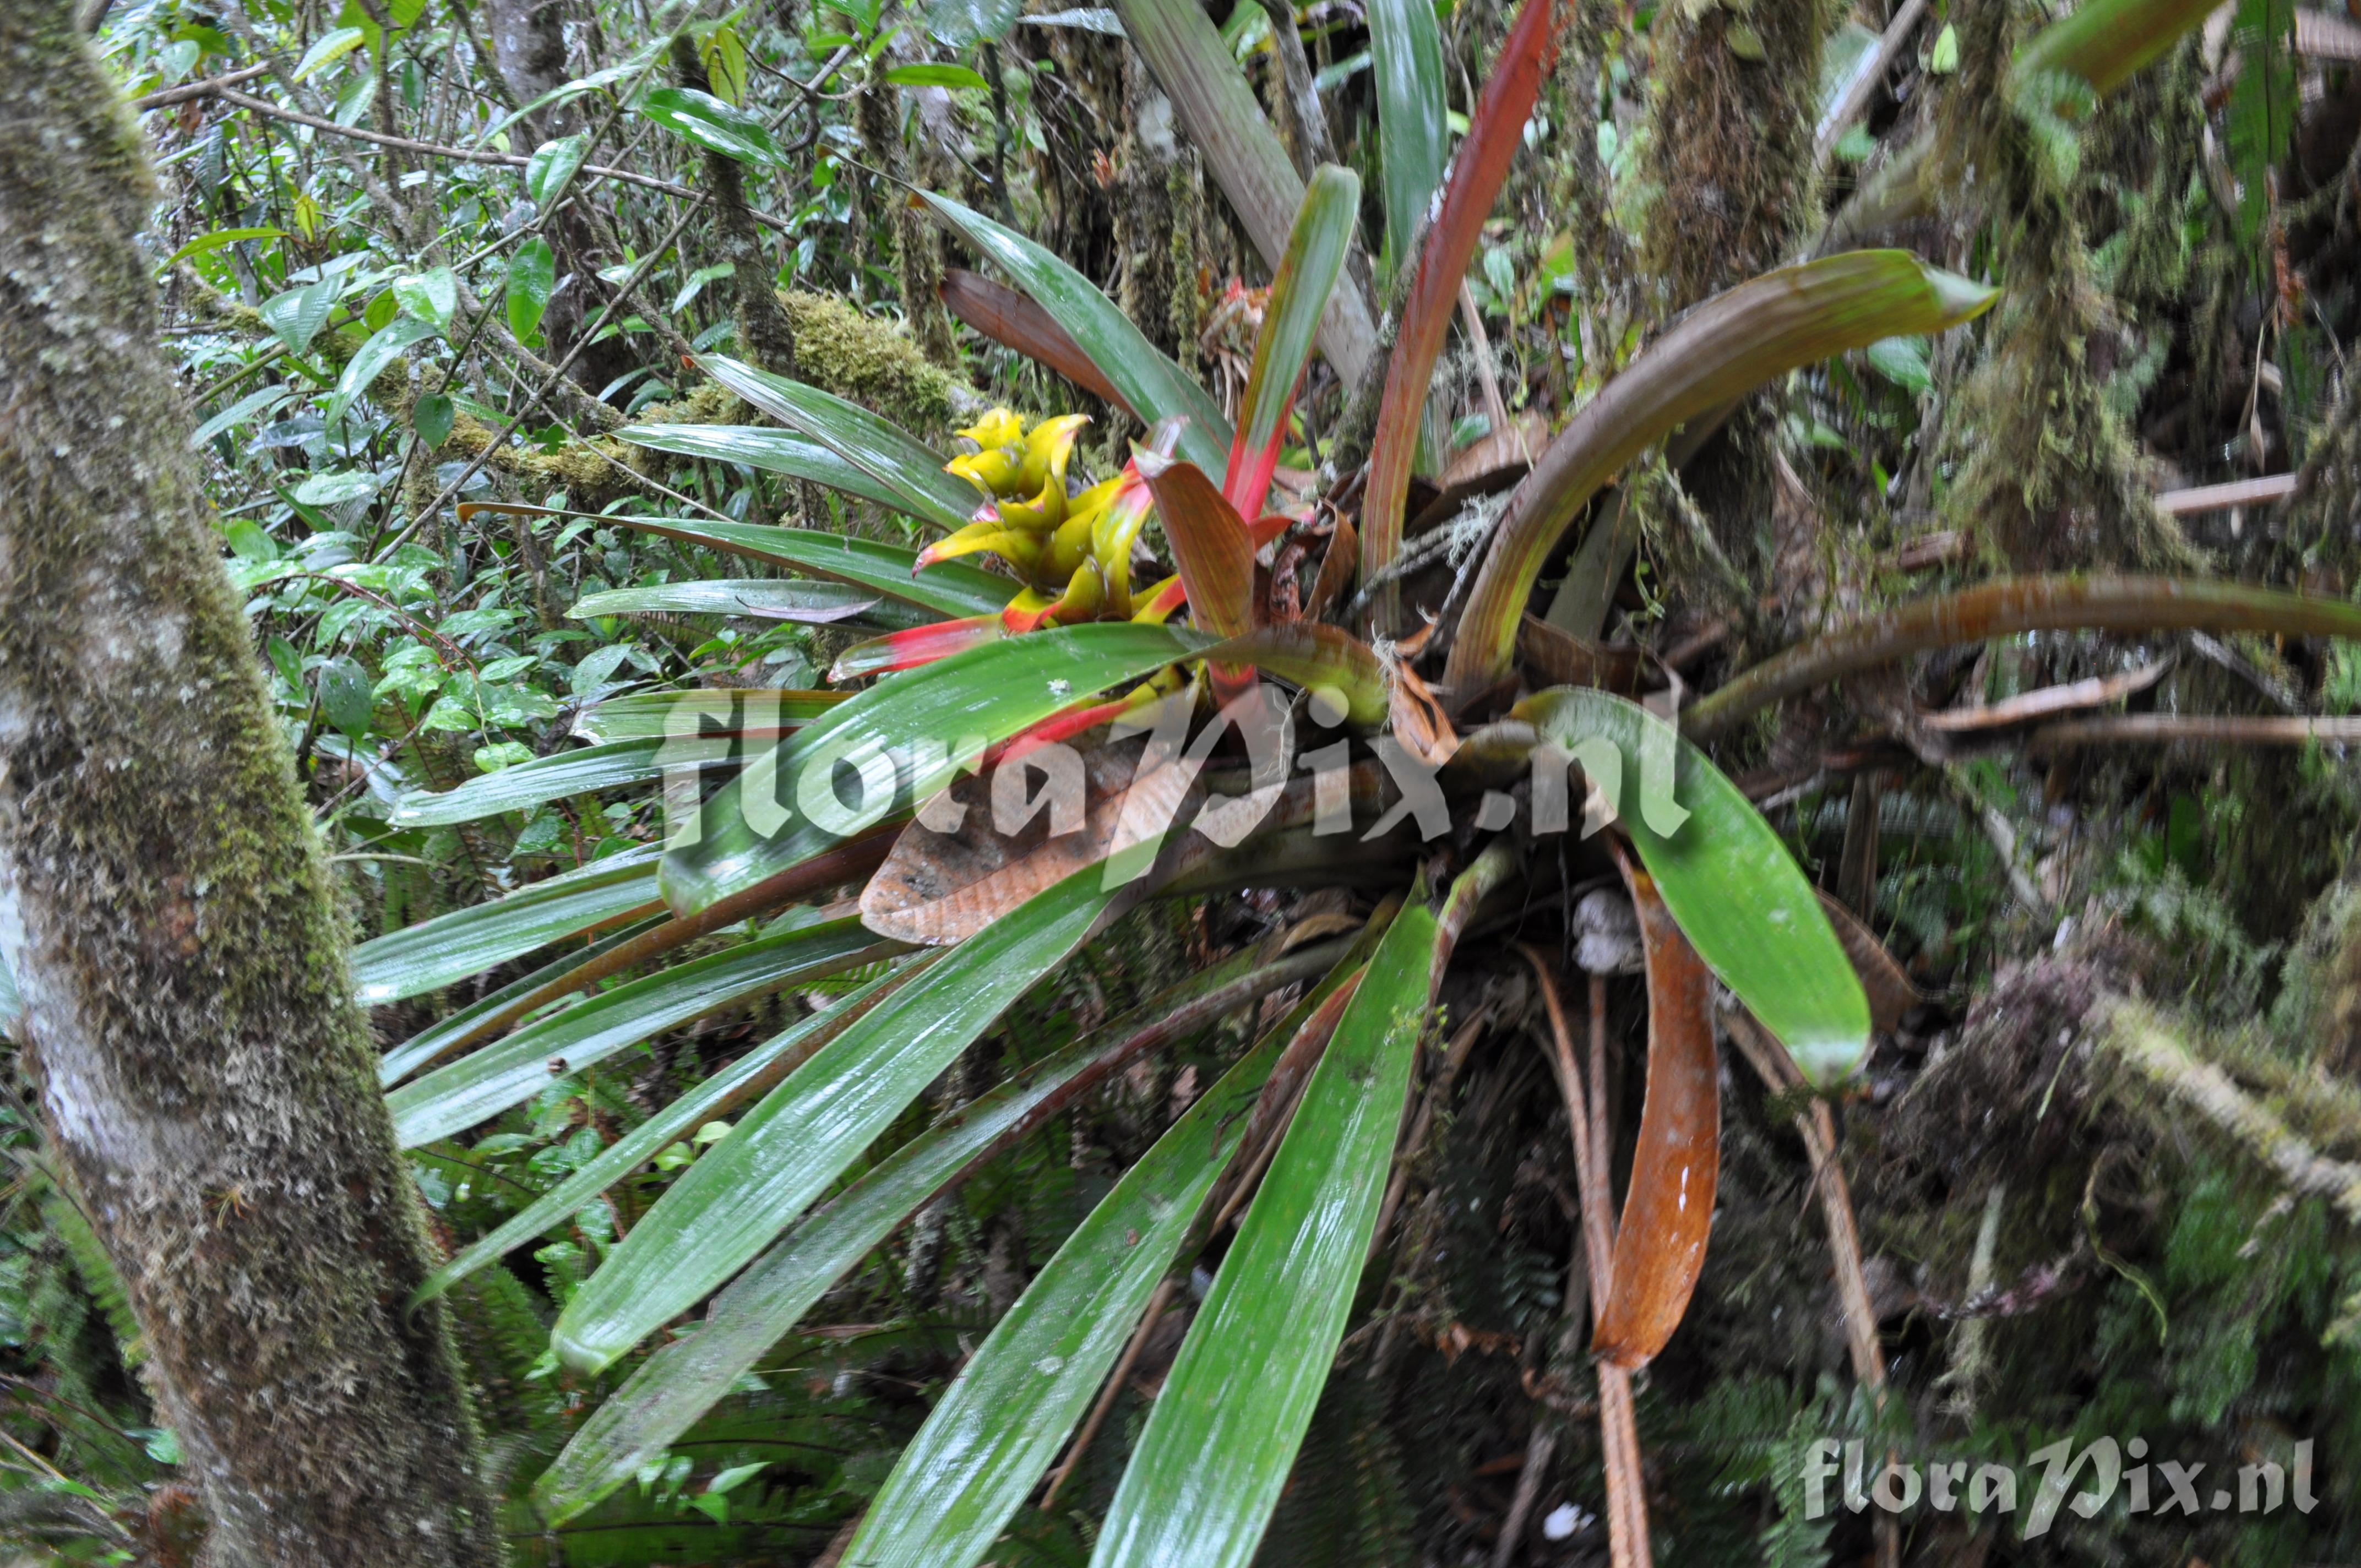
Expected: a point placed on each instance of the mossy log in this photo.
(205, 1075)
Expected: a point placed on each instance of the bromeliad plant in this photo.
(956, 921)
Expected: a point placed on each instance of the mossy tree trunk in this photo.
(204, 1072)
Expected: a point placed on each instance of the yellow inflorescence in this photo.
(1073, 552)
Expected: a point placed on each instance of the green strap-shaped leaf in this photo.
(948, 588)
(1413, 124)
(384, 346)
(733, 1204)
(773, 451)
(684, 1116)
(998, 1426)
(815, 604)
(1224, 1432)
(514, 1068)
(1148, 378)
(429, 1043)
(924, 726)
(1730, 883)
(1218, 110)
(433, 953)
(1720, 351)
(683, 1380)
(529, 783)
(1306, 278)
(641, 716)
(880, 448)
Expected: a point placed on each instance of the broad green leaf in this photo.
(681, 1381)
(949, 588)
(1413, 140)
(774, 451)
(1720, 351)
(1154, 385)
(430, 1044)
(245, 408)
(740, 1080)
(1223, 1434)
(1494, 131)
(784, 1154)
(641, 716)
(2107, 42)
(936, 75)
(217, 239)
(338, 486)
(879, 447)
(913, 732)
(519, 1066)
(330, 46)
(433, 953)
(384, 346)
(963, 23)
(816, 603)
(552, 164)
(344, 695)
(430, 296)
(432, 417)
(533, 273)
(713, 124)
(297, 315)
(555, 777)
(1222, 117)
(1728, 879)
(1307, 276)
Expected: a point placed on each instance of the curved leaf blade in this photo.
(1309, 655)
(446, 1033)
(1210, 543)
(1494, 132)
(1223, 1434)
(1217, 108)
(1413, 128)
(1306, 277)
(435, 953)
(1015, 322)
(1147, 378)
(514, 1068)
(877, 447)
(1676, 1164)
(783, 1154)
(813, 604)
(773, 451)
(585, 772)
(925, 724)
(949, 588)
(683, 1379)
(640, 716)
(749, 1074)
(1725, 348)
(1730, 883)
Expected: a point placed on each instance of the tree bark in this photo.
(205, 1075)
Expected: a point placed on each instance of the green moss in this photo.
(865, 360)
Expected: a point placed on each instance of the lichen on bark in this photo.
(206, 1076)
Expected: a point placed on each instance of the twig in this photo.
(189, 90)
(1778, 1071)
(1867, 78)
(1619, 1431)
(2220, 730)
(1115, 1380)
